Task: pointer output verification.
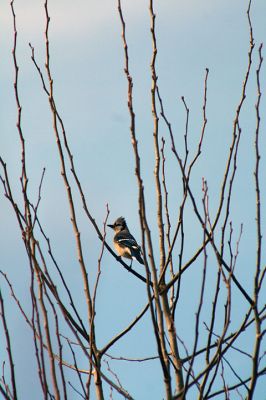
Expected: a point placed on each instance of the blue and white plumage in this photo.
(124, 243)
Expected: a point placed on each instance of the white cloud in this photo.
(68, 17)
(77, 17)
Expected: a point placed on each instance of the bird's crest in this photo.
(120, 221)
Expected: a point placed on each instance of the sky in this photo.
(87, 64)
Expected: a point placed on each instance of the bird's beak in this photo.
(111, 226)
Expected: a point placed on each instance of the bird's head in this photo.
(119, 224)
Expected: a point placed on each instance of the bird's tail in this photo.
(138, 257)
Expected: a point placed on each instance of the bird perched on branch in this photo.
(124, 243)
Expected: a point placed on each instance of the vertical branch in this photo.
(94, 297)
(47, 332)
(181, 219)
(23, 178)
(213, 314)
(167, 314)
(256, 290)
(186, 133)
(9, 349)
(38, 338)
(164, 298)
(213, 317)
(257, 180)
(60, 346)
(203, 125)
(156, 138)
(236, 128)
(202, 291)
(99, 264)
(168, 221)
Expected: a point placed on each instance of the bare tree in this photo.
(64, 338)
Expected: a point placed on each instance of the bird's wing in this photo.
(128, 242)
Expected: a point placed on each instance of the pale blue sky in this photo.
(87, 63)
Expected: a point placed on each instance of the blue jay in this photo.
(124, 243)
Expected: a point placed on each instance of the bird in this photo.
(124, 243)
